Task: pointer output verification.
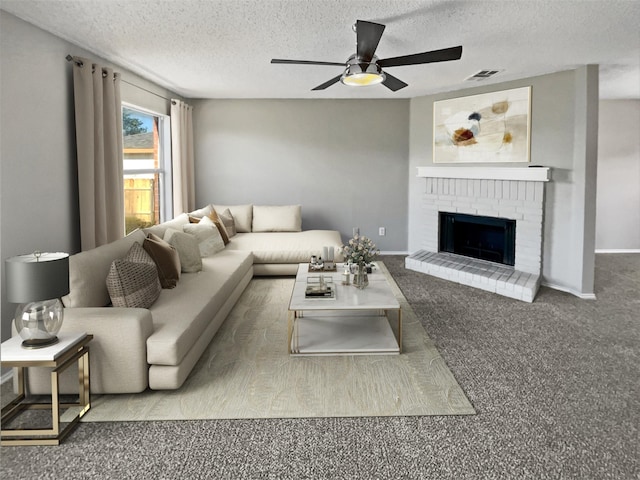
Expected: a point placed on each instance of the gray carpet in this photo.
(554, 383)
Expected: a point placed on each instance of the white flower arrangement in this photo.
(359, 250)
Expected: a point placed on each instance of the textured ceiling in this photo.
(223, 48)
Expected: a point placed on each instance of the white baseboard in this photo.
(393, 252)
(618, 250)
(585, 296)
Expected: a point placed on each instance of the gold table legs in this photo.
(54, 435)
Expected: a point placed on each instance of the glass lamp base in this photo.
(39, 322)
(39, 342)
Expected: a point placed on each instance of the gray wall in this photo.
(618, 200)
(562, 138)
(344, 161)
(38, 196)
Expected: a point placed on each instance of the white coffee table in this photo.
(355, 322)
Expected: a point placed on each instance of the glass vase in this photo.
(360, 279)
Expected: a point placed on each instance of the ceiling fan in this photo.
(363, 68)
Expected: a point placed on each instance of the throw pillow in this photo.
(187, 247)
(202, 212)
(216, 220)
(166, 258)
(223, 231)
(89, 269)
(133, 280)
(228, 222)
(209, 238)
(242, 215)
(196, 219)
(161, 228)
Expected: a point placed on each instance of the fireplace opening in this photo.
(486, 238)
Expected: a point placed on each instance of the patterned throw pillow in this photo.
(133, 280)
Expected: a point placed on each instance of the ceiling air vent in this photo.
(481, 75)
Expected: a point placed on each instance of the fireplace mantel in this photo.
(530, 174)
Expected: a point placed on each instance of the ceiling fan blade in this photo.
(368, 36)
(392, 83)
(328, 83)
(444, 55)
(305, 62)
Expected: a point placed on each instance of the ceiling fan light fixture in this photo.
(363, 68)
(356, 75)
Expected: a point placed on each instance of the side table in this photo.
(71, 348)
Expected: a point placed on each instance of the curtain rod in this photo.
(79, 63)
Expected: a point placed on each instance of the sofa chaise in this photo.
(157, 347)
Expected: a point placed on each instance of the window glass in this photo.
(146, 174)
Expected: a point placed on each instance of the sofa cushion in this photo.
(209, 239)
(228, 222)
(182, 314)
(188, 250)
(277, 218)
(286, 247)
(166, 258)
(87, 271)
(161, 228)
(133, 280)
(242, 215)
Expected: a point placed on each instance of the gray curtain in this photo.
(182, 157)
(99, 150)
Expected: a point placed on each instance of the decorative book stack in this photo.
(320, 287)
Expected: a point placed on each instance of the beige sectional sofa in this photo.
(157, 347)
(275, 237)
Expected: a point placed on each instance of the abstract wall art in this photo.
(491, 127)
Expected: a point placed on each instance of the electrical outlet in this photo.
(382, 231)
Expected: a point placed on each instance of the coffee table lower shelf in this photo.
(340, 334)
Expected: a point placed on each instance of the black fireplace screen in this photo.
(487, 238)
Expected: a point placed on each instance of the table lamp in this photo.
(37, 281)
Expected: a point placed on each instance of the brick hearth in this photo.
(520, 200)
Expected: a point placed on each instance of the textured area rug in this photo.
(246, 372)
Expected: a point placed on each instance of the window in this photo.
(147, 167)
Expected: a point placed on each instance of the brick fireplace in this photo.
(501, 193)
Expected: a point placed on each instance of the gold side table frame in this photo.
(76, 352)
